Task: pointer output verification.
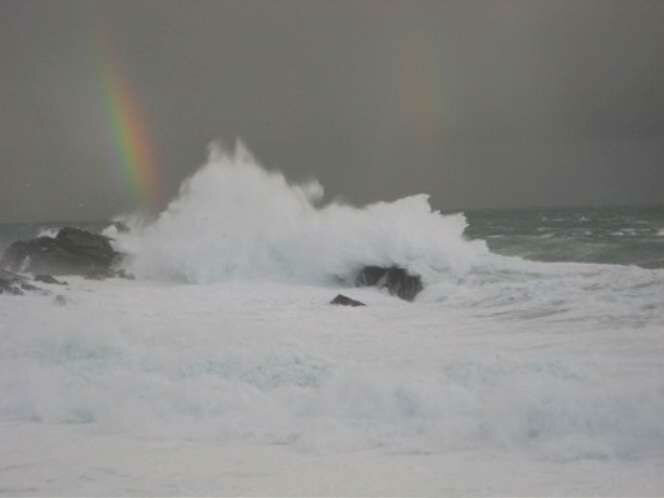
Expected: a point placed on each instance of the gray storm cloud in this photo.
(479, 103)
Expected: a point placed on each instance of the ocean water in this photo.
(612, 235)
(627, 235)
(537, 344)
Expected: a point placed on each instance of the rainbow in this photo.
(132, 140)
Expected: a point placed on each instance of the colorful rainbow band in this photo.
(130, 135)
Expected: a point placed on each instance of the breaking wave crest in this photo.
(234, 219)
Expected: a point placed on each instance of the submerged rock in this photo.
(346, 301)
(396, 280)
(72, 252)
(60, 300)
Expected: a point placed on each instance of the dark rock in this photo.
(14, 284)
(13, 290)
(95, 246)
(121, 227)
(122, 273)
(104, 274)
(98, 274)
(369, 275)
(346, 301)
(48, 279)
(9, 285)
(29, 287)
(396, 280)
(71, 252)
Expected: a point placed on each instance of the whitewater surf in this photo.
(222, 369)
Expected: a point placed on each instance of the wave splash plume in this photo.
(233, 219)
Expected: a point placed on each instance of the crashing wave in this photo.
(234, 219)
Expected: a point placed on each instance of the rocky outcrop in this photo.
(11, 283)
(397, 281)
(72, 252)
(346, 301)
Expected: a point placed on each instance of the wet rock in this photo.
(346, 301)
(397, 281)
(370, 275)
(121, 273)
(121, 227)
(48, 279)
(104, 274)
(98, 275)
(72, 252)
(10, 286)
(14, 284)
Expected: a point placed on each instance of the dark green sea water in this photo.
(612, 235)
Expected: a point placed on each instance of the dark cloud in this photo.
(478, 103)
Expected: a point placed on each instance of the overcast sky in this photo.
(479, 103)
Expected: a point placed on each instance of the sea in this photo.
(615, 235)
(532, 363)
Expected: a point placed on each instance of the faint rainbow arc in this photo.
(131, 137)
